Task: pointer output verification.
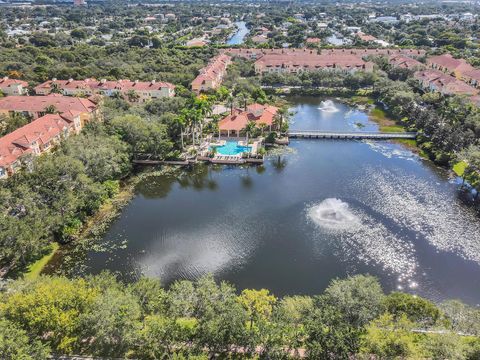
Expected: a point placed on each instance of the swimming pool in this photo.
(232, 148)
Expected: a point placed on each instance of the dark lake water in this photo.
(238, 37)
(317, 210)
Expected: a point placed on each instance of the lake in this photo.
(316, 210)
(239, 36)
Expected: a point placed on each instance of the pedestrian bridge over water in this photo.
(353, 135)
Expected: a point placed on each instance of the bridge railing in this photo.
(352, 134)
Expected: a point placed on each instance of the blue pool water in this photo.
(232, 148)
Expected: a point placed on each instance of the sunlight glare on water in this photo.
(361, 236)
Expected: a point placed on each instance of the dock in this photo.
(354, 135)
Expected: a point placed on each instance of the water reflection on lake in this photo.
(317, 210)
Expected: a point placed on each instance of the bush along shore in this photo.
(353, 318)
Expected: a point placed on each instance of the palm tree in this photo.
(279, 117)
(55, 89)
(230, 103)
(249, 128)
(51, 109)
(262, 127)
(203, 105)
(242, 100)
(181, 119)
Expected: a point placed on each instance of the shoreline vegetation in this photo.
(96, 226)
(99, 316)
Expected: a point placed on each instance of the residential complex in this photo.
(297, 60)
(309, 61)
(133, 90)
(211, 76)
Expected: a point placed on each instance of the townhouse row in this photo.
(53, 117)
(140, 91)
(211, 76)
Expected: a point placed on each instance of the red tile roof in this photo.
(37, 104)
(40, 131)
(249, 52)
(213, 71)
(448, 62)
(365, 37)
(445, 83)
(311, 60)
(405, 62)
(472, 74)
(261, 114)
(96, 85)
(7, 82)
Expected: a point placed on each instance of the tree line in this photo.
(448, 127)
(41, 62)
(204, 319)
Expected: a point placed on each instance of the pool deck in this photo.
(218, 158)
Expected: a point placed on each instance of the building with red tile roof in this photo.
(237, 120)
(438, 81)
(35, 138)
(405, 62)
(472, 77)
(304, 59)
(144, 90)
(37, 106)
(310, 61)
(365, 37)
(254, 54)
(448, 64)
(211, 76)
(313, 40)
(13, 86)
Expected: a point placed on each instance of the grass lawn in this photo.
(36, 268)
(385, 123)
(459, 168)
(364, 100)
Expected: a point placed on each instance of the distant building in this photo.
(142, 90)
(309, 60)
(79, 3)
(385, 19)
(313, 41)
(364, 37)
(211, 76)
(260, 39)
(255, 54)
(13, 87)
(198, 42)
